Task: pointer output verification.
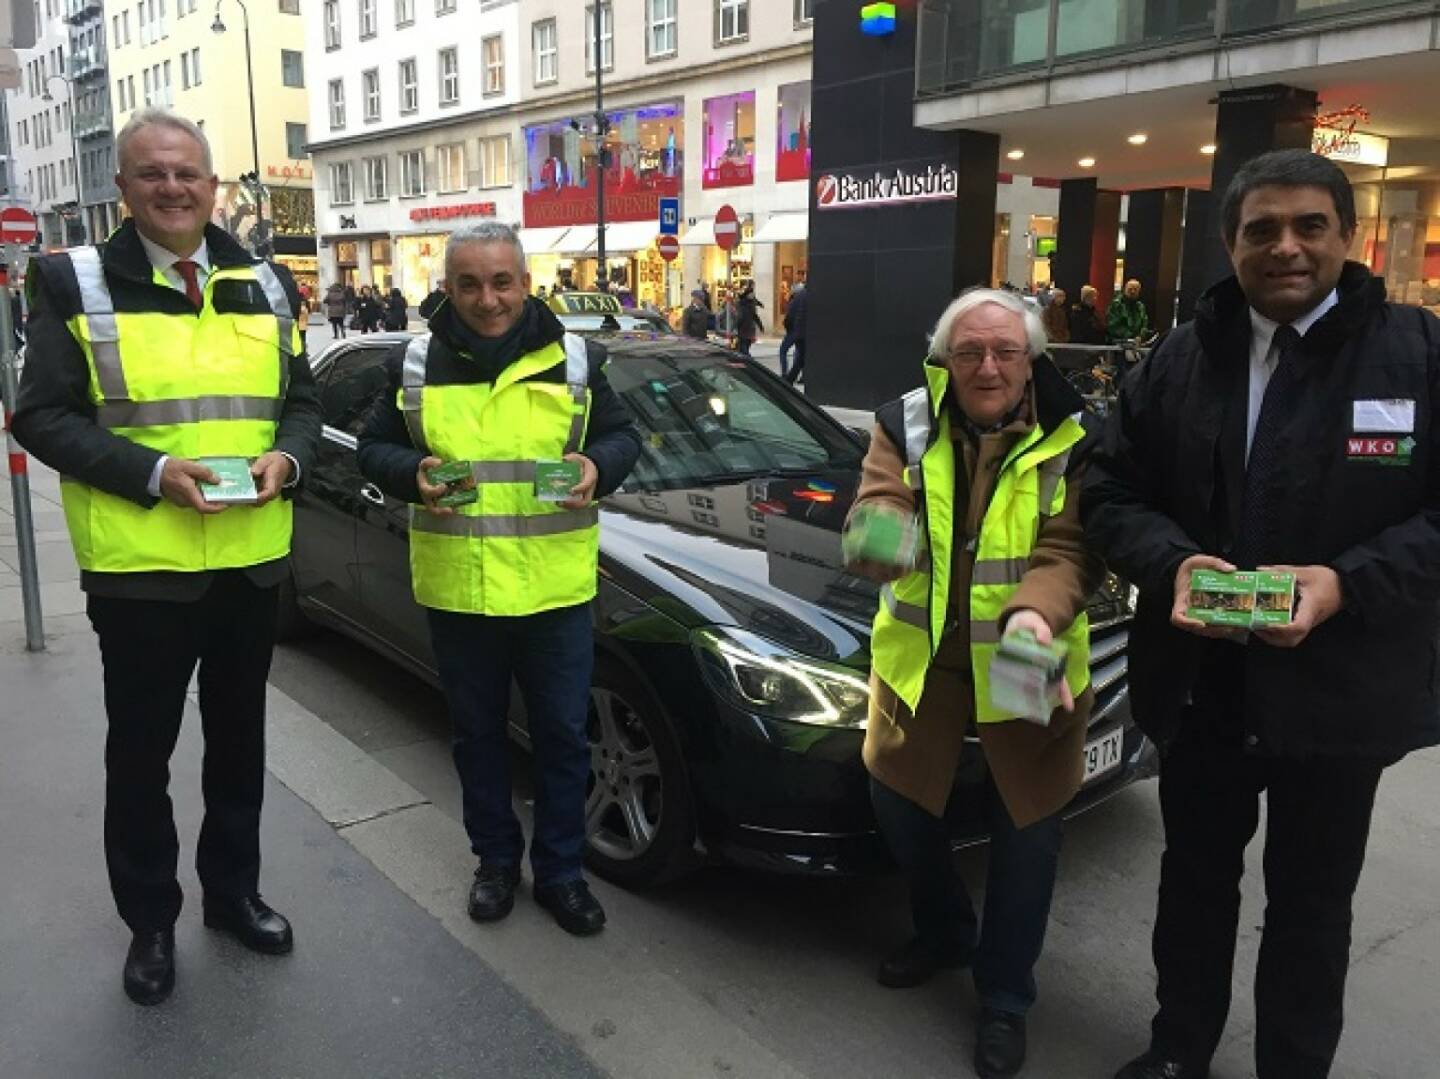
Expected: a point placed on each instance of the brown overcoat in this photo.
(1037, 770)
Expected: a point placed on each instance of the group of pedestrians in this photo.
(742, 318)
(1289, 425)
(366, 311)
(1126, 321)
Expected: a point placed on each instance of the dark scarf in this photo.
(490, 355)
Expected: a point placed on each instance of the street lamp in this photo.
(47, 97)
(261, 247)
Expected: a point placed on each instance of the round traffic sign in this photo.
(727, 228)
(17, 226)
(669, 247)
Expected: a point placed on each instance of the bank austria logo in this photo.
(886, 188)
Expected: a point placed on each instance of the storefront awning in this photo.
(783, 228)
(700, 234)
(629, 236)
(579, 239)
(541, 241)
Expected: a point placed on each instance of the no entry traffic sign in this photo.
(727, 228)
(668, 247)
(17, 226)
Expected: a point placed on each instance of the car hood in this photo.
(758, 553)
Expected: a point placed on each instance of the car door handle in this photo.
(371, 493)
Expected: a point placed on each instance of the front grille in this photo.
(1109, 666)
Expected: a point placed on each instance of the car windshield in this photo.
(712, 418)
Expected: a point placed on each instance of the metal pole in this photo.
(75, 159)
(602, 130)
(263, 247)
(20, 488)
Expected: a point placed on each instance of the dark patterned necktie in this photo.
(1259, 515)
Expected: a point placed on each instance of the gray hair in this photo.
(972, 298)
(153, 115)
(487, 232)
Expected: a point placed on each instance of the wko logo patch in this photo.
(1380, 451)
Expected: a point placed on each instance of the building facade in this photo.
(94, 136)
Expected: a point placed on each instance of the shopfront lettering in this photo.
(539, 212)
(464, 209)
(834, 192)
(287, 172)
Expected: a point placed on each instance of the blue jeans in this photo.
(1020, 880)
(550, 655)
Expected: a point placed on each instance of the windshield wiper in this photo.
(709, 479)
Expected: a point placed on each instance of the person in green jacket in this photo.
(1127, 319)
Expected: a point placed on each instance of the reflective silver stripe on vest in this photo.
(577, 378)
(986, 632)
(909, 613)
(1051, 473)
(999, 570)
(99, 310)
(280, 306)
(503, 471)
(187, 410)
(412, 388)
(917, 425)
(504, 527)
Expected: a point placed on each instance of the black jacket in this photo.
(55, 419)
(795, 313)
(388, 458)
(1085, 325)
(1168, 482)
(431, 303)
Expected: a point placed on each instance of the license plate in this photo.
(1103, 755)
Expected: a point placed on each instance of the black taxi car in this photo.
(730, 689)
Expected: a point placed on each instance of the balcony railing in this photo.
(77, 11)
(87, 61)
(89, 123)
(966, 41)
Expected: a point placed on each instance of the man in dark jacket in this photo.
(795, 330)
(431, 303)
(695, 321)
(1290, 425)
(506, 581)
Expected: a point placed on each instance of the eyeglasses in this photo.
(974, 355)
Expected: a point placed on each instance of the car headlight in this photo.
(763, 677)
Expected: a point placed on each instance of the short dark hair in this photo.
(1287, 168)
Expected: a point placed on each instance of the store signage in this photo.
(288, 172)
(834, 192)
(1352, 147)
(347, 221)
(464, 209)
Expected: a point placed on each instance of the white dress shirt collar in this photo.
(1263, 329)
(163, 259)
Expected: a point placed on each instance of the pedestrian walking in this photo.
(991, 444)
(1056, 318)
(1086, 327)
(795, 333)
(173, 578)
(397, 311)
(1290, 425)
(747, 319)
(352, 299)
(431, 303)
(334, 306)
(1127, 320)
(507, 580)
(368, 310)
(696, 320)
(302, 323)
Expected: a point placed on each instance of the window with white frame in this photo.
(376, 181)
(367, 19)
(495, 161)
(804, 12)
(409, 86)
(404, 12)
(412, 173)
(444, 7)
(542, 43)
(493, 49)
(732, 20)
(287, 7)
(337, 104)
(149, 90)
(449, 76)
(660, 34)
(450, 168)
(342, 184)
(607, 38)
(195, 66)
(184, 71)
(332, 24)
(168, 97)
(370, 93)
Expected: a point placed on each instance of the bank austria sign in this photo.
(891, 188)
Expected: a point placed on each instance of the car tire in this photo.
(640, 824)
(291, 624)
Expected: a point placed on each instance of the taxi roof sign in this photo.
(585, 303)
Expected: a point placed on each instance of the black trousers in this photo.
(1317, 824)
(150, 649)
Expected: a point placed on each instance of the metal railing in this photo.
(91, 122)
(87, 61)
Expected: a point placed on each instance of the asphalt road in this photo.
(786, 965)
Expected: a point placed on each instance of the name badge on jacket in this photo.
(1383, 432)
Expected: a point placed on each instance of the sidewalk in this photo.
(376, 985)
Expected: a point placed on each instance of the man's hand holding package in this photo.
(180, 484)
(271, 471)
(1318, 596)
(1034, 621)
(429, 492)
(1179, 610)
(584, 491)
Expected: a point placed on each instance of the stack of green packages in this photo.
(1244, 599)
(881, 534)
(1026, 676)
(452, 473)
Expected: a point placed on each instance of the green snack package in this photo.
(236, 484)
(463, 497)
(1025, 676)
(554, 480)
(880, 534)
(1274, 599)
(448, 473)
(1222, 599)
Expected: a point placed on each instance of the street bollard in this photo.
(20, 490)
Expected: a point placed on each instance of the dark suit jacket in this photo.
(55, 419)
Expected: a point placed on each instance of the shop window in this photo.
(732, 21)
(495, 161)
(792, 155)
(449, 76)
(493, 49)
(607, 38)
(370, 92)
(412, 173)
(542, 41)
(376, 185)
(450, 167)
(729, 140)
(409, 86)
(660, 36)
(342, 185)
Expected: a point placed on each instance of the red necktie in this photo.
(192, 285)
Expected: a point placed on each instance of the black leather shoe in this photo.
(916, 962)
(1154, 1065)
(574, 908)
(492, 895)
(251, 922)
(999, 1044)
(150, 966)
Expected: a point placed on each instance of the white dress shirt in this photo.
(1264, 358)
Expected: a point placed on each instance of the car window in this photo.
(355, 379)
(708, 417)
